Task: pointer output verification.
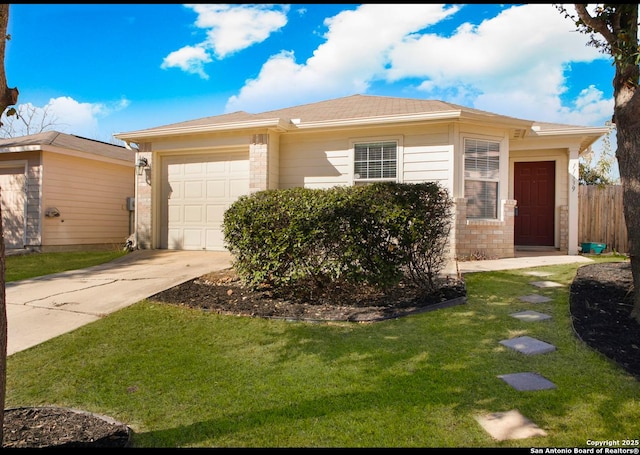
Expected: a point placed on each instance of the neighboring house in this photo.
(65, 193)
(514, 182)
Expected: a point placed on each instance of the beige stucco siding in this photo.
(91, 198)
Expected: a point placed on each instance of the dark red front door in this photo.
(534, 191)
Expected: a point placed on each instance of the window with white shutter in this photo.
(481, 174)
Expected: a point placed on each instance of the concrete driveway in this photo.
(42, 308)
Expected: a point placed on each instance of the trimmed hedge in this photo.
(378, 234)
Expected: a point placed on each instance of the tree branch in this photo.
(597, 25)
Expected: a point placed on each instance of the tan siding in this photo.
(274, 161)
(91, 197)
(426, 136)
(313, 161)
(317, 160)
(427, 164)
(204, 142)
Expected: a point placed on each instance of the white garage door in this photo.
(197, 189)
(14, 198)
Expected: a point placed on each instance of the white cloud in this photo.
(511, 60)
(229, 28)
(232, 28)
(354, 53)
(189, 59)
(513, 64)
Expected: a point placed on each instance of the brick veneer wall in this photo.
(564, 229)
(483, 239)
(143, 202)
(258, 163)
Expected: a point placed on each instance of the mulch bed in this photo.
(601, 301)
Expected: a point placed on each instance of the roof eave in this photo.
(587, 135)
(455, 114)
(574, 131)
(402, 118)
(138, 136)
(21, 148)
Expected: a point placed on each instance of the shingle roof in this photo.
(68, 141)
(349, 107)
(361, 109)
(365, 106)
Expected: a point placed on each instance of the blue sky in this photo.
(101, 69)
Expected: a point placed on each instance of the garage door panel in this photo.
(192, 239)
(239, 167)
(217, 189)
(215, 213)
(174, 190)
(238, 187)
(217, 168)
(174, 240)
(193, 189)
(193, 214)
(214, 239)
(175, 214)
(195, 169)
(197, 191)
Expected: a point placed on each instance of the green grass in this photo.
(37, 264)
(185, 378)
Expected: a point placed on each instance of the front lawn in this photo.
(186, 378)
(32, 265)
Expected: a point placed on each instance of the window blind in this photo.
(375, 160)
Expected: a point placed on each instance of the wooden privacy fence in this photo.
(601, 217)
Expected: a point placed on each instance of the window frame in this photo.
(486, 172)
(355, 144)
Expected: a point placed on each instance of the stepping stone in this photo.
(509, 425)
(546, 284)
(535, 298)
(530, 316)
(528, 345)
(534, 273)
(527, 381)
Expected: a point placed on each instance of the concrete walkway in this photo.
(512, 424)
(523, 261)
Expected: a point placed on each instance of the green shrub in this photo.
(378, 234)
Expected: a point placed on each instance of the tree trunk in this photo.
(627, 120)
(8, 97)
(3, 327)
